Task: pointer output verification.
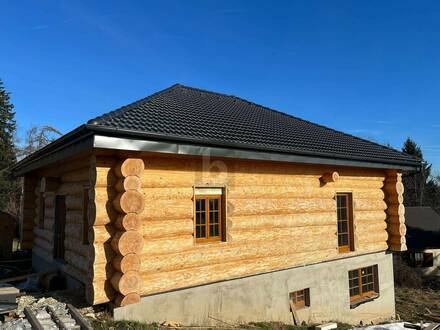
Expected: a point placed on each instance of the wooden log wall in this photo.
(279, 215)
(396, 211)
(127, 242)
(69, 179)
(28, 212)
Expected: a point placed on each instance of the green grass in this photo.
(122, 325)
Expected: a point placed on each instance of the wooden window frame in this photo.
(221, 221)
(350, 227)
(299, 299)
(85, 218)
(364, 295)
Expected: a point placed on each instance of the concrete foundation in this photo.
(265, 297)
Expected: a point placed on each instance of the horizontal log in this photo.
(100, 292)
(73, 245)
(74, 230)
(101, 234)
(102, 177)
(42, 253)
(77, 261)
(396, 240)
(130, 282)
(128, 167)
(131, 298)
(170, 244)
(398, 247)
(202, 254)
(369, 205)
(49, 184)
(80, 175)
(154, 229)
(167, 210)
(239, 207)
(43, 234)
(394, 187)
(74, 216)
(128, 263)
(270, 233)
(330, 177)
(365, 228)
(101, 272)
(127, 242)
(377, 236)
(102, 214)
(398, 219)
(72, 188)
(129, 201)
(74, 202)
(398, 210)
(164, 281)
(130, 221)
(43, 244)
(277, 192)
(397, 229)
(102, 253)
(128, 183)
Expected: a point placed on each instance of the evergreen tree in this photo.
(419, 183)
(8, 186)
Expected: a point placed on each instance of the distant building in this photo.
(423, 239)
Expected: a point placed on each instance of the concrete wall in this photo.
(264, 297)
(424, 271)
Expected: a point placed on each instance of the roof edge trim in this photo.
(173, 147)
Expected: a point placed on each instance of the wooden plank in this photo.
(36, 325)
(84, 324)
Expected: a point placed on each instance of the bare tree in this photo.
(36, 138)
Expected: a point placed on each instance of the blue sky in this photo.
(369, 68)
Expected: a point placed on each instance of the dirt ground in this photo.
(413, 304)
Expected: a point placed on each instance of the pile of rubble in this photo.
(43, 313)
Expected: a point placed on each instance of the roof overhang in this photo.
(180, 148)
(87, 138)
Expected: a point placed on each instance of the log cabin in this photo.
(205, 208)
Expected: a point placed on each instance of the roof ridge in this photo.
(128, 107)
(297, 118)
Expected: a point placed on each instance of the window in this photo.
(345, 222)
(363, 284)
(85, 220)
(300, 299)
(41, 210)
(420, 259)
(209, 220)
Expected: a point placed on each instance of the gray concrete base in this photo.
(265, 297)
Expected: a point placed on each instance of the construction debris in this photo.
(45, 314)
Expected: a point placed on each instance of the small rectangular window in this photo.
(300, 299)
(344, 209)
(41, 210)
(209, 221)
(363, 284)
(85, 218)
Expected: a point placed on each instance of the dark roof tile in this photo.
(219, 119)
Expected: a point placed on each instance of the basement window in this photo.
(299, 299)
(344, 210)
(363, 285)
(209, 214)
(420, 259)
